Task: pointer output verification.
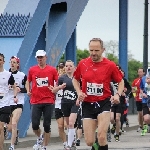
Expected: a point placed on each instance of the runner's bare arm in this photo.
(28, 87)
(76, 85)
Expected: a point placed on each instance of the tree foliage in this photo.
(81, 54)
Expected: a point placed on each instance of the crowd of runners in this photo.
(91, 98)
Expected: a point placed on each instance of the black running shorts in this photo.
(92, 110)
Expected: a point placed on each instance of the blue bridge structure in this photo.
(29, 25)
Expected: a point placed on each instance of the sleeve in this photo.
(133, 83)
(55, 75)
(142, 85)
(77, 73)
(29, 78)
(60, 80)
(116, 74)
(23, 90)
(11, 80)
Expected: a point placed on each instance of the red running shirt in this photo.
(96, 78)
(41, 79)
(136, 85)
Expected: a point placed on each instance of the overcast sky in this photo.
(101, 19)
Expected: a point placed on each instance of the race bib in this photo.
(70, 95)
(2, 95)
(42, 82)
(94, 89)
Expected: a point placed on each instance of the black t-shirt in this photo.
(69, 93)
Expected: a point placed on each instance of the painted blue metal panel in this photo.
(26, 114)
(33, 32)
(21, 6)
(123, 35)
(9, 47)
(13, 25)
(67, 28)
(71, 48)
(33, 40)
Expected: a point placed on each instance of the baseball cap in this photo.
(40, 53)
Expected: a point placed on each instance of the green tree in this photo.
(112, 57)
(81, 54)
(133, 66)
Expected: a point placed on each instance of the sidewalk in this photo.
(30, 139)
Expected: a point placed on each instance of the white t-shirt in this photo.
(4, 88)
(19, 76)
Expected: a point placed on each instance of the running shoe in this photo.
(68, 148)
(43, 148)
(117, 138)
(139, 129)
(11, 148)
(113, 129)
(38, 144)
(145, 128)
(142, 132)
(78, 142)
(95, 146)
(127, 123)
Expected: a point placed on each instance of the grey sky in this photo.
(101, 19)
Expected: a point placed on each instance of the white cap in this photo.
(40, 53)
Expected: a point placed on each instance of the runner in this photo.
(137, 96)
(6, 80)
(68, 103)
(16, 108)
(41, 98)
(97, 72)
(144, 90)
(58, 112)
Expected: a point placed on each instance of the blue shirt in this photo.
(142, 87)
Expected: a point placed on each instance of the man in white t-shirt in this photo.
(6, 79)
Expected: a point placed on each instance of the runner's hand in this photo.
(29, 93)
(144, 95)
(115, 99)
(81, 96)
(62, 86)
(51, 88)
(77, 102)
